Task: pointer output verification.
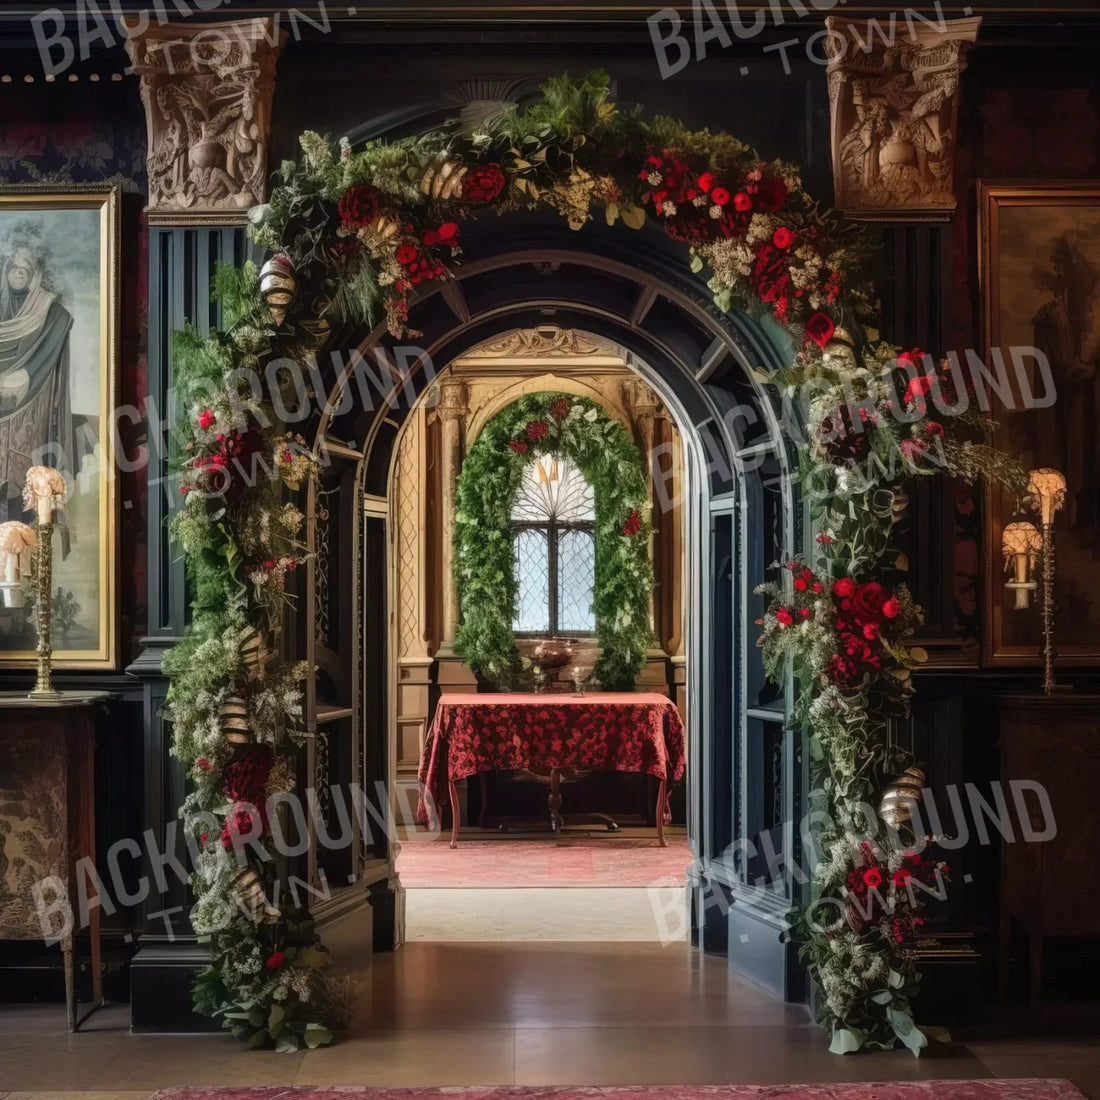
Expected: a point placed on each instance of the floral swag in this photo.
(355, 235)
(601, 448)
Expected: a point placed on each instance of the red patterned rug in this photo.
(497, 864)
(1030, 1089)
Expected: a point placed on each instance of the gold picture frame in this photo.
(1039, 275)
(59, 350)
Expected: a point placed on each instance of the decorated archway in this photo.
(358, 235)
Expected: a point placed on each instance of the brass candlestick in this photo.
(1047, 491)
(43, 686)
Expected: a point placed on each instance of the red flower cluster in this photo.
(238, 824)
(633, 524)
(205, 419)
(483, 183)
(861, 612)
(537, 430)
(231, 467)
(561, 408)
(359, 206)
(245, 776)
(518, 446)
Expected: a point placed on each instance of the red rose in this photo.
(359, 206)
(784, 616)
(518, 446)
(275, 960)
(561, 408)
(872, 877)
(633, 523)
(448, 231)
(844, 587)
(867, 603)
(891, 608)
(771, 195)
(483, 183)
(706, 181)
(720, 196)
(742, 202)
(783, 237)
(536, 429)
(800, 584)
(206, 418)
(406, 254)
(770, 276)
(820, 328)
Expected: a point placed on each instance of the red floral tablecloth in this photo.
(625, 732)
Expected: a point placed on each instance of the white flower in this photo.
(699, 200)
(668, 208)
(653, 179)
(715, 212)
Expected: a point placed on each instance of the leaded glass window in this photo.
(554, 542)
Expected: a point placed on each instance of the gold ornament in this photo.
(254, 654)
(278, 286)
(233, 721)
(443, 180)
(380, 230)
(248, 886)
(896, 808)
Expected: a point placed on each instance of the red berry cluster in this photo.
(862, 611)
(230, 467)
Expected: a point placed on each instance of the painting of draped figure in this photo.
(1040, 270)
(58, 347)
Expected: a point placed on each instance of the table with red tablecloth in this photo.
(606, 731)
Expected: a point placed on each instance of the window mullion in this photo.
(552, 535)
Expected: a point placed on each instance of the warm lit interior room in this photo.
(548, 550)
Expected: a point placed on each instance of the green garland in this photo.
(578, 429)
(358, 232)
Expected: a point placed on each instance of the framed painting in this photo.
(59, 257)
(1039, 270)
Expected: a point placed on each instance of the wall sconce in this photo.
(1046, 493)
(1021, 543)
(16, 542)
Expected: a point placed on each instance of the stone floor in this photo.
(515, 1013)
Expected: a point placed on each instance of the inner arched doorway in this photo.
(741, 515)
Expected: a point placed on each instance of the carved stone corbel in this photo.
(207, 91)
(894, 107)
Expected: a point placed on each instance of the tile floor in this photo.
(483, 1013)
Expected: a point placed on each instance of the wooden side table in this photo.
(1049, 887)
(47, 817)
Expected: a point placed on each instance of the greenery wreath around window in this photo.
(355, 234)
(577, 429)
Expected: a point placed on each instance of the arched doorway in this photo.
(741, 515)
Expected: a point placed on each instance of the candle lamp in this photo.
(16, 542)
(43, 491)
(1021, 543)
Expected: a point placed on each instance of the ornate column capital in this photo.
(207, 90)
(452, 400)
(894, 104)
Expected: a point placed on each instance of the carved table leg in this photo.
(70, 981)
(456, 812)
(555, 801)
(662, 806)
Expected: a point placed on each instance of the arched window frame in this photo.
(562, 516)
